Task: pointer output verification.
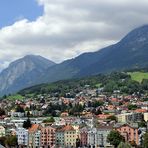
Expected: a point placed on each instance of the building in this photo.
(128, 131)
(22, 136)
(60, 140)
(2, 131)
(145, 117)
(101, 136)
(47, 136)
(92, 137)
(130, 117)
(34, 136)
(69, 136)
(16, 114)
(83, 137)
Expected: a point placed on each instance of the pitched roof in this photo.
(68, 128)
(34, 127)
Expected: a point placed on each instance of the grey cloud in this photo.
(71, 27)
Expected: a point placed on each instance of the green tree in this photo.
(115, 138)
(142, 124)
(27, 124)
(49, 120)
(112, 118)
(124, 145)
(20, 109)
(145, 140)
(11, 141)
(2, 112)
(132, 107)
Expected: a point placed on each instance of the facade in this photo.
(2, 131)
(60, 140)
(145, 117)
(69, 136)
(92, 138)
(97, 137)
(102, 133)
(130, 117)
(34, 136)
(16, 114)
(129, 132)
(47, 136)
(23, 137)
(83, 136)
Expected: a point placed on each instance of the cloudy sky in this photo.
(62, 29)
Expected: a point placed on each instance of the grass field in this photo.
(138, 76)
(15, 97)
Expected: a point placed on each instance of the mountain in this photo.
(22, 73)
(130, 52)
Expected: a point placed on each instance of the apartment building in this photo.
(48, 136)
(130, 117)
(129, 131)
(23, 137)
(34, 136)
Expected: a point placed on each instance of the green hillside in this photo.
(138, 76)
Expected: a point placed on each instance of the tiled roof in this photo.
(34, 127)
(68, 128)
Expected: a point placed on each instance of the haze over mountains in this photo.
(130, 52)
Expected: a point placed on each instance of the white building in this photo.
(97, 137)
(38, 139)
(16, 114)
(23, 136)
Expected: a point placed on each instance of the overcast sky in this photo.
(62, 29)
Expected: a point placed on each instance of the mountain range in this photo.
(130, 52)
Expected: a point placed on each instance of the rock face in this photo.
(22, 73)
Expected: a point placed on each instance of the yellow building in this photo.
(70, 136)
(121, 118)
(2, 131)
(129, 117)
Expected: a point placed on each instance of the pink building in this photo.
(83, 136)
(48, 136)
(129, 131)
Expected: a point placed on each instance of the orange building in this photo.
(48, 136)
(129, 131)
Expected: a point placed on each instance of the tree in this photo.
(132, 107)
(124, 145)
(20, 109)
(2, 112)
(115, 138)
(27, 124)
(2, 140)
(142, 124)
(49, 120)
(11, 141)
(145, 140)
(112, 118)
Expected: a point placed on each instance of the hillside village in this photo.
(91, 118)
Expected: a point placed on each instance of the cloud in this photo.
(68, 28)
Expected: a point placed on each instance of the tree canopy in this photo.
(114, 137)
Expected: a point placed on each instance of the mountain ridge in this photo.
(130, 52)
(22, 73)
